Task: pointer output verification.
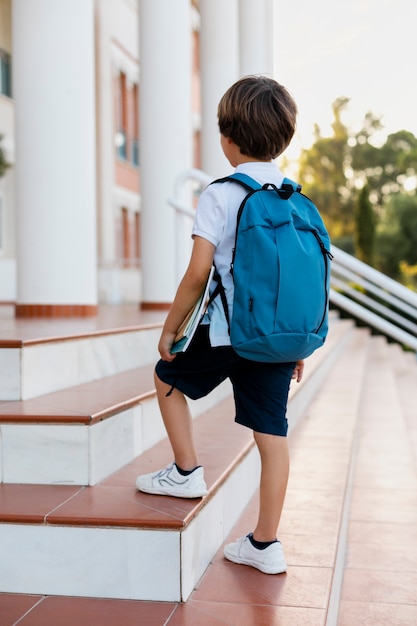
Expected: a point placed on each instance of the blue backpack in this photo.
(281, 274)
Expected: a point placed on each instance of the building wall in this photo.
(5, 20)
(117, 85)
(7, 217)
(118, 180)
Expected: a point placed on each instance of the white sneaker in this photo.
(271, 560)
(169, 482)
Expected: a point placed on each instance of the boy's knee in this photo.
(156, 378)
(162, 388)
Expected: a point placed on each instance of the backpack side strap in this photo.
(219, 290)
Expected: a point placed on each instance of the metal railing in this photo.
(356, 288)
(373, 298)
(197, 181)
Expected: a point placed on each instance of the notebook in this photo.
(189, 326)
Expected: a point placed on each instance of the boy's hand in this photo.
(165, 344)
(188, 292)
(298, 371)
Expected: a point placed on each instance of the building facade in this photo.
(103, 104)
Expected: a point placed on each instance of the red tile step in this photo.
(115, 501)
(88, 403)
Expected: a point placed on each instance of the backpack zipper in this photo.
(327, 256)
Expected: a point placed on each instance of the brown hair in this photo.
(258, 115)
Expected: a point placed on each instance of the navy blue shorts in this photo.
(260, 389)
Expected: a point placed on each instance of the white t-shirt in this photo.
(215, 221)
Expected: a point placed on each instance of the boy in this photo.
(257, 118)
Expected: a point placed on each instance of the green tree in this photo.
(396, 241)
(365, 227)
(387, 168)
(322, 172)
(4, 165)
(335, 170)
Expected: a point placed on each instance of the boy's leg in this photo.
(274, 455)
(183, 478)
(261, 392)
(190, 375)
(261, 548)
(261, 395)
(178, 424)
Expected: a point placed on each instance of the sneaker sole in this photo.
(175, 494)
(265, 570)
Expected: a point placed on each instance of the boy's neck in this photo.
(247, 159)
(234, 156)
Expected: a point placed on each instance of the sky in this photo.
(365, 50)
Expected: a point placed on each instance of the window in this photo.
(138, 252)
(126, 238)
(121, 117)
(5, 73)
(135, 126)
(127, 120)
(129, 234)
(1, 220)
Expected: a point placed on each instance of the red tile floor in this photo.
(379, 586)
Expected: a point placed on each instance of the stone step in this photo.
(380, 552)
(321, 449)
(41, 362)
(405, 372)
(310, 528)
(81, 435)
(109, 540)
(112, 541)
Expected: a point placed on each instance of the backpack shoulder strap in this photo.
(243, 179)
(291, 183)
(287, 188)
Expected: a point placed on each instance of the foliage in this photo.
(396, 242)
(322, 171)
(366, 192)
(409, 274)
(385, 169)
(365, 227)
(4, 165)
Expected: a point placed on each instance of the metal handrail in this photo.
(362, 291)
(200, 180)
(375, 299)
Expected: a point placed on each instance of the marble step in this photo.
(111, 541)
(380, 551)
(82, 434)
(57, 356)
(78, 436)
(405, 371)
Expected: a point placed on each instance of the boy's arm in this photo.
(187, 294)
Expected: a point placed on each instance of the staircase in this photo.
(79, 421)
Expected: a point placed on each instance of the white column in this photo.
(106, 240)
(219, 70)
(256, 37)
(165, 137)
(53, 85)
